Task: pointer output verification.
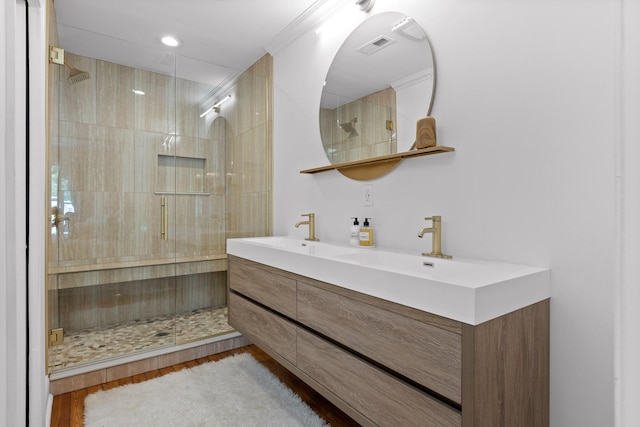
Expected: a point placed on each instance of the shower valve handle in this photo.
(57, 217)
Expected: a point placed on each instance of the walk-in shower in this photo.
(142, 199)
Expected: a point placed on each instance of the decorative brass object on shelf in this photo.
(363, 170)
(164, 223)
(312, 226)
(436, 242)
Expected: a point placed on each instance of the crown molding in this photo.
(413, 79)
(307, 20)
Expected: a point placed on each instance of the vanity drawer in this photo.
(427, 354)
(375, 394)
(265, 328)
(269, 288)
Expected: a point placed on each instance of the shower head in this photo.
(348, 127)
(75, 75)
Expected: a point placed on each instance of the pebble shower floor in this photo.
(98, 344)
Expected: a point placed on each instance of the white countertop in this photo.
(469, 291)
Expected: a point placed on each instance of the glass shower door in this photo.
(145, 189)
(111, 258)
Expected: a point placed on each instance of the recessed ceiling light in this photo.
(170, 41)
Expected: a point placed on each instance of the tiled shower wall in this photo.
(114, 155)
(249, 152)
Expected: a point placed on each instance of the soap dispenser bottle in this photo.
(366, 234)
(354, 232)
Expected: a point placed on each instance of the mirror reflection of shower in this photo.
(349, 127)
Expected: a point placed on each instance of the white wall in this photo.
(525, 93)
(39, 395)
(628, 289)
(13, 370)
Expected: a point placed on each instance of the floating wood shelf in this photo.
(375, 167)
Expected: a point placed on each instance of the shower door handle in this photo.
(164, 223)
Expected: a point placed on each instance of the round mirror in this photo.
(379, 84)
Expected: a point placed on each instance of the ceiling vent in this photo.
(375, 45)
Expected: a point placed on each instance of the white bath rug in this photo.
(235, 391)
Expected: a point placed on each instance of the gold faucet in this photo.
(312, 226)
(436, 242)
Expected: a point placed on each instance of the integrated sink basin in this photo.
(470, 291)
(463, 272)
(302, 246)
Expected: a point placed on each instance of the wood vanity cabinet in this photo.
(391, 365)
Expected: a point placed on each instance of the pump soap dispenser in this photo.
(354, 234)
(366, 234)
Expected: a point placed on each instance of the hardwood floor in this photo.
(68, 408)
